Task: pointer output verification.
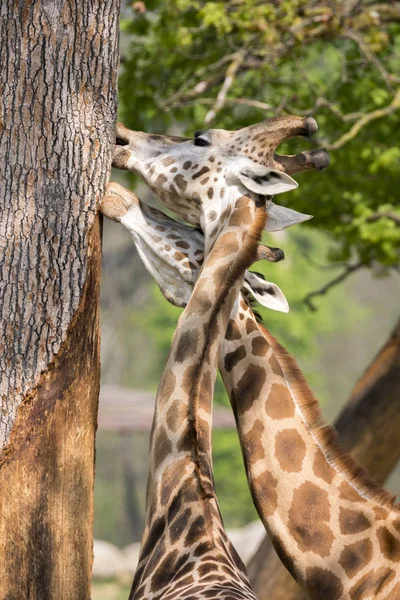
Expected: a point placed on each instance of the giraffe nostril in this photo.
(120, 142)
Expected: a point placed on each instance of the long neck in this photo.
(184, 539)
(336, 532)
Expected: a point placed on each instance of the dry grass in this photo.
(110, 590)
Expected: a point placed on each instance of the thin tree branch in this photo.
(229, 79)
(384, 215)
(371, 56)
(332, 283)
(239, 101)
(209, 76)
(364, 120)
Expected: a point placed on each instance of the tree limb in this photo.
(229, 79)
(364, 120)
(332, 283)
(376, 216)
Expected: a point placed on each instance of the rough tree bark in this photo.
(368, 426)
(58, 101)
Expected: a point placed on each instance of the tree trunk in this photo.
(57, 127)
(368, 426)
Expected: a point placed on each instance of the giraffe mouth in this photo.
(304, 161)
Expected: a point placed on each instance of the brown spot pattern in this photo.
(232, 331)
(352, 521)
(162, 446)
(175, 415)
(347, 492)
(396, 524)
(202, 171)
(232, 358)
(389, 544)
(380, 513)
(179, 525)
(183, 244)
(172, 476)
(186, 345)
(180, 182)
(323, 584)
(290, 450)
(249, 387)
(279, 403)
(196, 531)
(251, 442)
(251, 325)
(275, 366)
(241, 214)
(185, 442)
(168, 161)
(227, 244)
(200, 303)
(161, 179)
(395, 593)
(259, 346)
(322, 468)
(207, 384)
(188, 379)
(264, 493)
(355, 557)
(308, 515)
(167, 384)
(371, 584)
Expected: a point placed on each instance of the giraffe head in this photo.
(173, 252)
(199, 178)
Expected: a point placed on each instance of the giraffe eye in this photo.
(199, 141)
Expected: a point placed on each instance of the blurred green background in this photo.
(338, 61)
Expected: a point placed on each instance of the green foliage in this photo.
(110, 590)
(230, 479)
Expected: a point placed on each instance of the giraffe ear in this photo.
(265, 181)
(280, 217)
(266, 293)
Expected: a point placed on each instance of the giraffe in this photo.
(199, 178)
(184, 545)
(185, 551)
(336, 532)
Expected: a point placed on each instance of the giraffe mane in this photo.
(323, 433)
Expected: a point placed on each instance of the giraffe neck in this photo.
(337, 533)
(184, 543)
